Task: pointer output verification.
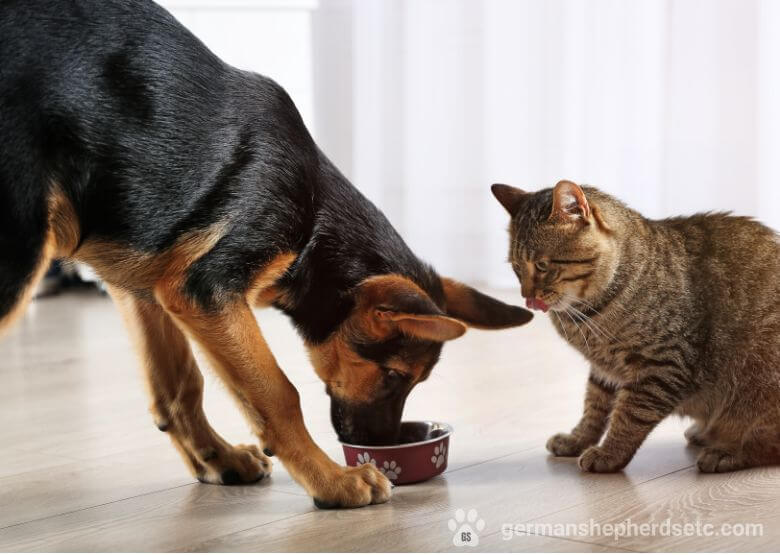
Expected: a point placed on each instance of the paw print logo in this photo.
(438, 455)
(466, 527)
(365, 458)
(390, 469)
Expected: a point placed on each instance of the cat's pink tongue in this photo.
(536, 304)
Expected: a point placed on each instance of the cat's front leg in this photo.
(638, 408)
(598, 404)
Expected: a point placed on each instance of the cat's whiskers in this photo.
(560, 323)
(594, 326)
(603, 329)
(573, 321)
(581, 320)
(613, 304)
(578, 315)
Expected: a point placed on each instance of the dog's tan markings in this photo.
(175, 386)
(383, 307)
(232, 340)
(262, 291)
(63, 223)
(479, 310)
(375, 293)
(459, 298)
(62, 236)
(348, 375)
(126, 267)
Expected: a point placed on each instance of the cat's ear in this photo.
(509, 197)
(569, 203)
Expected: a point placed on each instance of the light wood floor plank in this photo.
(72, 486)
(160, 521)
(83, 468)
(686, 497)
(511, 489)
(16, 461)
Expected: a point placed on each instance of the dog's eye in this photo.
(541, 266)
(393, 376)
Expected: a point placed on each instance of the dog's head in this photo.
(389, 343)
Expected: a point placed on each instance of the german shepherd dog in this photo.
(196, 193)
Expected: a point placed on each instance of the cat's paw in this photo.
(565, 445)
(717, 460)
(695, 435)
(596, 459)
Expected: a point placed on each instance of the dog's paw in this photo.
(596, 459)
(354, 487)
(717, 460)
(242, 464)
(565, 445)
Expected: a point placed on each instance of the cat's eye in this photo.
(541, 266)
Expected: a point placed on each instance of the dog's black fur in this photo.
(150, 136)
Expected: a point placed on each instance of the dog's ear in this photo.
(390, 301)
(479, 310)
(509, 197)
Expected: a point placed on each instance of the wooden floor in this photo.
(82, 468)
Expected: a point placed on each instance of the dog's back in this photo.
(114, 110)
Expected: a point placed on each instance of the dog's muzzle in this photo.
(376, 423)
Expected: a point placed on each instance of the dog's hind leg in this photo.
(176, 388)
(20, 273)
(31, 235)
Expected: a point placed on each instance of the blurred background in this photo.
(672, 105)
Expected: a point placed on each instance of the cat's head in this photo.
(563, 247)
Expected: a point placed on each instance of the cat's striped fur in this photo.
(675, 316)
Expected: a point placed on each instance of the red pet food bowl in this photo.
(421, 454)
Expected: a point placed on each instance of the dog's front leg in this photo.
(233, 341)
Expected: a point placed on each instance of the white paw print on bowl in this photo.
(467, 527)
(390, 469)
(438, 455)
(365, 458)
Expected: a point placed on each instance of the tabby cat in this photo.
(675, 316)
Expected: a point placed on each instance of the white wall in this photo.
(672, 106)
(272, 37)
